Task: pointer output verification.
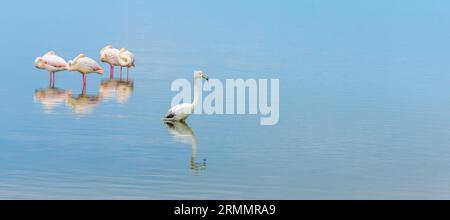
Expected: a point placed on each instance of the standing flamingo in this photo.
(84, 65)
(51, 62)
(110, 55)
(126, 59)
(182, 111)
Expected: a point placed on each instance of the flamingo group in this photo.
(114, 57)
(85, 65)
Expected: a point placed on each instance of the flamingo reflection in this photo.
(51, 97)
(184, 134)
(83, 104)
(121, 90)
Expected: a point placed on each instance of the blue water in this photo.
(364, 101)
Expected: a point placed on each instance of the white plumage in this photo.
(126, 58)
(51, 62)
(181, 112)
(110, 55)
(85, 65)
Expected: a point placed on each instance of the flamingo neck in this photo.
(197, 92)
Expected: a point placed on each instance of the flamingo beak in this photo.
(205, 76)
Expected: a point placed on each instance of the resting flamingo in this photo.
(110, 55)
(84, 65)
(126, 59)
(51, 62)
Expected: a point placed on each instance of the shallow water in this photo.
(364, 101)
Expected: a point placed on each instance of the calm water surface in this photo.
(364, 101)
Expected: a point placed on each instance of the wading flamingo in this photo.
(51, 62)
(84, 65)
(126, 59)
(110, 55)
(181, 111)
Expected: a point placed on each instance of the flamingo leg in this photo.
(50, 79)
(84, 84)
(111, 71)
(128, 68)
(54, 79)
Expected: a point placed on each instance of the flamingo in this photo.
(110, 55)
(182, 111)
(126, 59)
(51, 62)
(84, 65)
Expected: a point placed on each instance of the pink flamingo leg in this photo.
(84, 84)
(128, 68)
(111, 71)
(50, 79)
(54, 79)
